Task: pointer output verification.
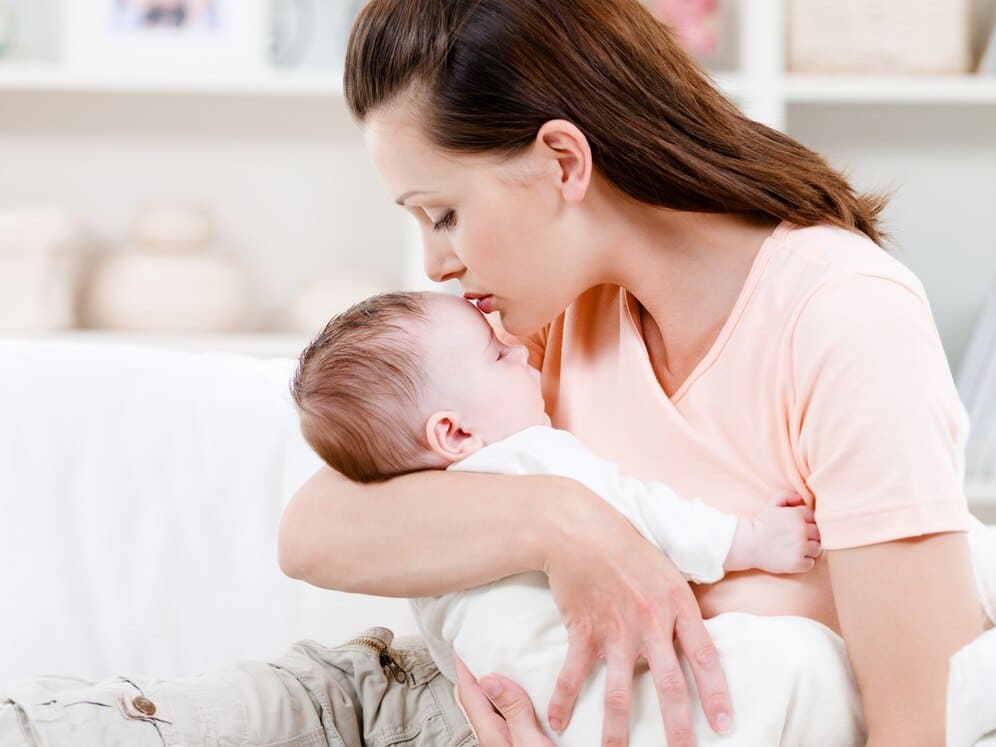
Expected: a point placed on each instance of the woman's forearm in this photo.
(421, 534)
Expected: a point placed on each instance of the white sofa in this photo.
(140, 495)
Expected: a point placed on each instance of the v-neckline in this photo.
(743, 298)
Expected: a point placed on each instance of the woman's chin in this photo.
(520, 324)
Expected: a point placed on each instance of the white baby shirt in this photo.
(695, 536)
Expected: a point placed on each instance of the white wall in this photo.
(289, 179)
(295, 193)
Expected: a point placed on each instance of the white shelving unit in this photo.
(765, 89)
(759, 83)
(49, 78)
(965, 90)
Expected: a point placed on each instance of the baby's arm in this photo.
(704, 542)
(782, 538)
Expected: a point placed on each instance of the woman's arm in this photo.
(905, 607)
(403, 537)
(435, 532)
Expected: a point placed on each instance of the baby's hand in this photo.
(786, 539)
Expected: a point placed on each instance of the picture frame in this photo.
(164, 37)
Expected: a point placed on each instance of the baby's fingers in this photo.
(806, 514)
(787, 498)
(813, 549)
(580, 658)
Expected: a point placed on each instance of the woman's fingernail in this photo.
(724, 723)
(556, 725)
(491, 686)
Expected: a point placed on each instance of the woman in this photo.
(708, 307)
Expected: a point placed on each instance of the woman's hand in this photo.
(621, 600)
(515, 723)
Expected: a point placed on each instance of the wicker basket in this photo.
(879, 36)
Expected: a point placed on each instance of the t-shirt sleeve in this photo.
(878, 429)
(535, 343)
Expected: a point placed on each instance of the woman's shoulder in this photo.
(830, 257)
(856, 295)
(836, 289)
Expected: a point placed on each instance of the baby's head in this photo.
(403, 382)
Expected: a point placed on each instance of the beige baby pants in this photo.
(372, 690)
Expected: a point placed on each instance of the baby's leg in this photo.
(369, 690)
(238, 703)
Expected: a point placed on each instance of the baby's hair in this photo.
(357, 389)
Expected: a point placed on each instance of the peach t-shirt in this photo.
(828, 378)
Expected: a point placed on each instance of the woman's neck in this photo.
(687, 271)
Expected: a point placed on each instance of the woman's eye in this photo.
(446, 222)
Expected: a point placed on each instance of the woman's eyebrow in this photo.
(408, 195)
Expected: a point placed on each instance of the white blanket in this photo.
(971, 712)
(790, 679)
(971, 707)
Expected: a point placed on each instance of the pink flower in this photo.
(694, 22)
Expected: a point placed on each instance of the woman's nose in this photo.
(441, 264)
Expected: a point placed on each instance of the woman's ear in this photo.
(447, 438)
(564, 142)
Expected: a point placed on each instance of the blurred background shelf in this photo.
(794, 88)
(876, 89)
(42, 78)
(276, 158)
(261, 344)
(981, 492)
(55, 78)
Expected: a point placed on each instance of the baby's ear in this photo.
(447, 438)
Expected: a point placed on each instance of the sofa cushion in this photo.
(140, 496)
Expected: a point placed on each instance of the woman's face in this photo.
(498, 225)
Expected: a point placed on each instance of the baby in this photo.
(413, 381)
(404, 382)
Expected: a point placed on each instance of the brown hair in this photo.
(357, 388)
(489, 73)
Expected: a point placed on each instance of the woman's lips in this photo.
(485, 301)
